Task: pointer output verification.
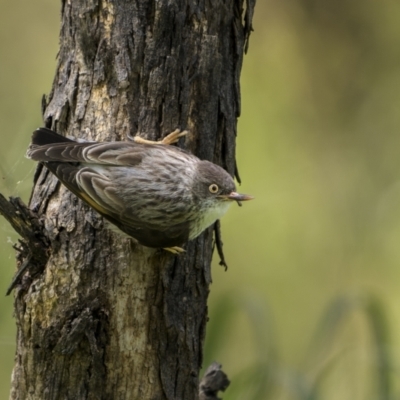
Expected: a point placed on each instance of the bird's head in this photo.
(213, 185)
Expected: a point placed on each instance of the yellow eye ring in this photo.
(213, 188)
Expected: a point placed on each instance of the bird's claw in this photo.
(175, 250)
(171, 138)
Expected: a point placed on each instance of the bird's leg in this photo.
(174, 250)
(171, 138)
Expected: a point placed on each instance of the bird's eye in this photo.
(213, 188)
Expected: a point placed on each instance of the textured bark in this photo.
(108, 319)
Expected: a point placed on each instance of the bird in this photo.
(156, 193)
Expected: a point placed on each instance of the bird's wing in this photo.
(48, 146)
(69, 173)
(104, 195)
(113, 153)
(97, 173)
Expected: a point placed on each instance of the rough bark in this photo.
(104, 318)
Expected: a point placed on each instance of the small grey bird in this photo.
(158, 194)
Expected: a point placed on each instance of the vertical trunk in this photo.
(108, 319)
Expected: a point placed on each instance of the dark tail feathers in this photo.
(43, 136)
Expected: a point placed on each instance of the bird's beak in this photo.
(239, 197)
(236, 197)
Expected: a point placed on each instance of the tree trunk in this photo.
(104, 318)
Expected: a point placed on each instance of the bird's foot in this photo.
(171, 138)
(174, 250)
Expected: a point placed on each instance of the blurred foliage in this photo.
(307, 305)
(333, 356)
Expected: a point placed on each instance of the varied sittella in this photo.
(158, 194)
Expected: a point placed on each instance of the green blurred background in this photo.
(309, 306)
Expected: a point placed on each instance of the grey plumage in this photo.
(158, 194)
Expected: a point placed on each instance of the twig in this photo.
(27, 225)
(218, 242)
(18, 275)
(213, 381)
